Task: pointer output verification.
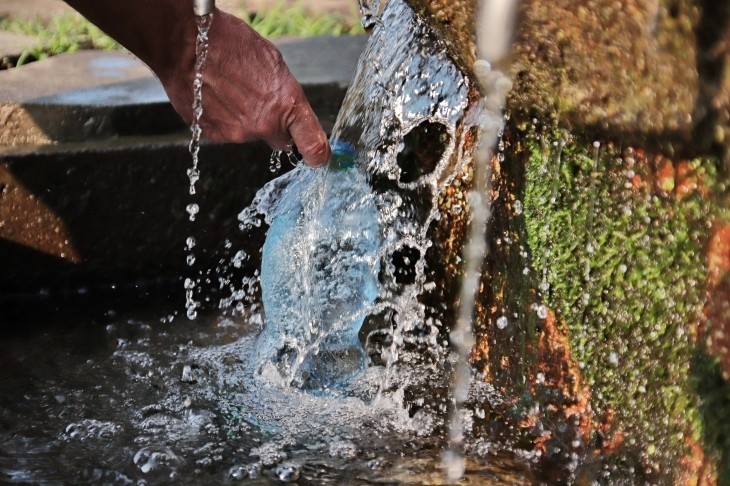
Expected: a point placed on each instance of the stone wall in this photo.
(603, 313)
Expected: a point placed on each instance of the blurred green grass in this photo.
(70, 33)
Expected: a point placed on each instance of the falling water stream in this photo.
(493, 38)
(201, 55)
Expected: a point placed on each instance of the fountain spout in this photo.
(203, 7)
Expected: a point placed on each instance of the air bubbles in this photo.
(343, 449)
(288, 472)
(502, 322)
(542, 312)
(149, 459)
(242, 472)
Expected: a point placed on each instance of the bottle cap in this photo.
(343, 155)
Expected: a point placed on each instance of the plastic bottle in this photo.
(319, 273)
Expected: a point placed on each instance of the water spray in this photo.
(203, 10)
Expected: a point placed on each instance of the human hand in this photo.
(248, 92)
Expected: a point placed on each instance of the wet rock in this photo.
(612, 180)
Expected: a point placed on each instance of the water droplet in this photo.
(192, 210)
(190, 243)
(187, 375)
(238, 258)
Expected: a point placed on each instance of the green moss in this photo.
(624, 268)
(714, 424)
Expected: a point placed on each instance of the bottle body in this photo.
(319, 274)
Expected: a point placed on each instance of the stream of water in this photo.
(201, 55)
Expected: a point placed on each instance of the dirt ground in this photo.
(46, 9)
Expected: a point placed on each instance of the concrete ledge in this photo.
(95, 94)
(105, 207)
(90, 215)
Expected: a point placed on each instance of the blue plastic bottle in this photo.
(319, 273)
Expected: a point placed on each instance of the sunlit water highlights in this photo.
(201, 56)
(350, 242)
(137, 398)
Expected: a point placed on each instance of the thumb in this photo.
(310, 139)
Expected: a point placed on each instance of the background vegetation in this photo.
(70, 33)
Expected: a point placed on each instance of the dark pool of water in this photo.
(135, 399)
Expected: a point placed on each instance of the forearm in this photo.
(160, 32)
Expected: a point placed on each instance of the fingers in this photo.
(310, 139)
(249, 93)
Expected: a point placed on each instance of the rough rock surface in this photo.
(606, 285)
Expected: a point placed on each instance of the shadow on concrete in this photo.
(122, 209)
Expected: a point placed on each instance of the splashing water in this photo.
(166, 411)
(349, 241)
(319, 275)
(342, 282)
(201, 55)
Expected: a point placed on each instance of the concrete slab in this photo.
(13, 45)
(110, 212)
(93, 94)
(66, 72)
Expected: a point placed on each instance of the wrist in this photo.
(174, 56)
